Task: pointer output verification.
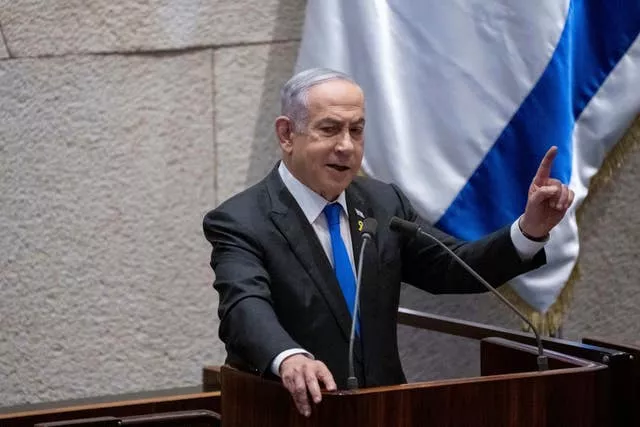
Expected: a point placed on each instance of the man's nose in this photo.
(345, 142)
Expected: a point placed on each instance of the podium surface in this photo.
(569, 394)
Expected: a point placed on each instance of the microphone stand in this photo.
(542, 360)
(352, 380)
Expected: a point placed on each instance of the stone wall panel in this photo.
(35, 28)
(248, 82)
(107, 170)
(4, 52)
(607, 296)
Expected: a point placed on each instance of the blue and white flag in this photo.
(464, 97)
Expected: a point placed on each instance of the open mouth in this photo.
(339, 168)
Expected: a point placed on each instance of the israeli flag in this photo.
(464, 97)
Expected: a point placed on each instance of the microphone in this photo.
(368, 231)
(411, 229)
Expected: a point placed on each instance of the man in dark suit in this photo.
(285, 250)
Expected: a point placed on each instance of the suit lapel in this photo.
(303, 241)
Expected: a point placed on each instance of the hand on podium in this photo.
(301, 375)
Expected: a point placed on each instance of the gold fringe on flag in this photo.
(550, 322)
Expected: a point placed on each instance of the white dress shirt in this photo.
(312, 205)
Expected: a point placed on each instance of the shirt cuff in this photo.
(277, 361)
(525, 247)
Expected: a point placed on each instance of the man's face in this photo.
(327, 154)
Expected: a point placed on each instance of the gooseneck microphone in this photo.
(411, 229)
(369, 227)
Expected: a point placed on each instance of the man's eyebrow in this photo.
(334, 121)
(329, 120)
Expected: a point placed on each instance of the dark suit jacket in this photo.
(278, 290)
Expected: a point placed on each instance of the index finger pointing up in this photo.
(544, 170)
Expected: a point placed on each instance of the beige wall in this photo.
(3, 47)
(122, 123)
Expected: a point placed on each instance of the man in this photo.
(284, 250)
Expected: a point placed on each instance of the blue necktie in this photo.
(341, 262)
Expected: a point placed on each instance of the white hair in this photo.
(293, 96)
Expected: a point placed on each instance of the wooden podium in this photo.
(595, 382)
(509, 392)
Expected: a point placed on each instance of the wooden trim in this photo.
(125, 407)
(117, 404)
(478, 331)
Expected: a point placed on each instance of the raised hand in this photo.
(300, 375)
(547, 201)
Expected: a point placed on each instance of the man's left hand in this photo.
(547, 201)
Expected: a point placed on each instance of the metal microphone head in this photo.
(370, 227)
(407, 228)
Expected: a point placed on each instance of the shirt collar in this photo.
(310, 202)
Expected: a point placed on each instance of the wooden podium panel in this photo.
(620, 359)
(628, 387)
(561, 397)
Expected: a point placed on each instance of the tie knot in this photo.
(332, 212)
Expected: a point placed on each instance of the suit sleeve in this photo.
(249, 326)
(427, 266)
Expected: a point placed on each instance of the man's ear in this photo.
(284, 131)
